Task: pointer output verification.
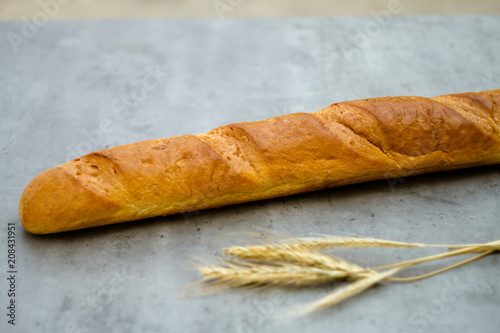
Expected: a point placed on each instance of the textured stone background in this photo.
(63, 84)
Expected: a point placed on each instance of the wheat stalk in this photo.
(492, 246)
(347, 291)
(299, 263)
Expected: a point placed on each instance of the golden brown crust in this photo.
(344, 143)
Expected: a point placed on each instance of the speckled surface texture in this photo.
(69, 88)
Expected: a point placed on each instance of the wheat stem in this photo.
(347, 291)
(493, 246)
(442, 270)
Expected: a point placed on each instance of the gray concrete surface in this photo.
(62, 84)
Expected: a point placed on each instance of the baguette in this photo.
(344, 143)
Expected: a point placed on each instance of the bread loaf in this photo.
(344, 143)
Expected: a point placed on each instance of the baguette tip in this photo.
(55, 201)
